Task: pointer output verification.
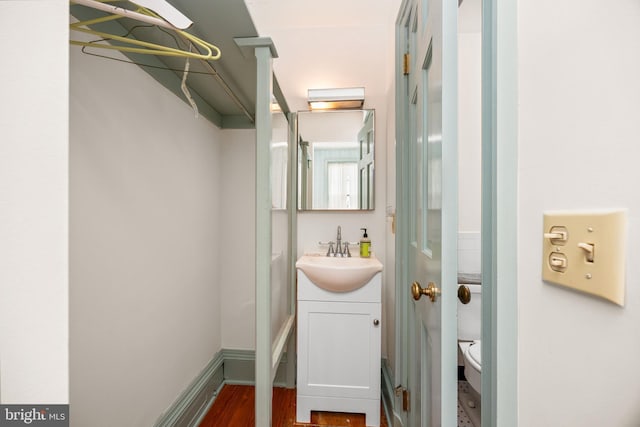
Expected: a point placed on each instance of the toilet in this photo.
(472, 365)
(469, 333)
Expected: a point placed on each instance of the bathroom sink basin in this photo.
(337, 274)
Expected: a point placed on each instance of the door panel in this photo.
(430, 155)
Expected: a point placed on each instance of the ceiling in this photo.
(337, 43)
(329, 44)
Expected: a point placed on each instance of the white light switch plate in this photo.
(585, 251)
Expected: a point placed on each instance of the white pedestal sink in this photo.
(339, 308)
(339, 274)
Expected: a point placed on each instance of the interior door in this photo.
(432, 213)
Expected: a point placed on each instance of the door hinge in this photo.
(405, 64)
(405, 400)
(406, 397)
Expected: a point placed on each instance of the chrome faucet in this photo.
(339, 249)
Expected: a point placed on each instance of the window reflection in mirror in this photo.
(335, 160)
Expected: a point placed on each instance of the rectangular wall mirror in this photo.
(335, 160)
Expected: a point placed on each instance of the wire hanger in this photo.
(204, 50)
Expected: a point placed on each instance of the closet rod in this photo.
(224, 85)
(229, 91)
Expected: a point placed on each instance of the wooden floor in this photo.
(235, 407)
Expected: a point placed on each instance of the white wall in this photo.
(145, 243)
(237, 240)
(33, 203)
(578, 148)
(469, 131)
(469, 137)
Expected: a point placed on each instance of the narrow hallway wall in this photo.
(578, 149)
(34, 203)
(144, 244)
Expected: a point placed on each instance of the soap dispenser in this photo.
(365, 245)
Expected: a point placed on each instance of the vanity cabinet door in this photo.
(339, 349)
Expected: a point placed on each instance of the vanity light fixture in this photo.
(334, 99)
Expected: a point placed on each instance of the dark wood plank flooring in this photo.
(235, 407)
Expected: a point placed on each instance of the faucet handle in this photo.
(346, 250)
(331, 250)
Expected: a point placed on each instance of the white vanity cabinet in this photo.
(339, 350)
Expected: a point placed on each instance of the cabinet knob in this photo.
(376, 322)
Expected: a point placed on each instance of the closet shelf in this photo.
(225, 89)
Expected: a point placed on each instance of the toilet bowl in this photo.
(469, 332)
(473, 365)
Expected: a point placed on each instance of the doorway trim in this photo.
(499, 213)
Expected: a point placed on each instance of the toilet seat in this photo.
(475, 356)
(473, 365)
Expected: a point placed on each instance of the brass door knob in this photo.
(431, 291)
(464, 294)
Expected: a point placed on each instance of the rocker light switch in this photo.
(585, 251)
